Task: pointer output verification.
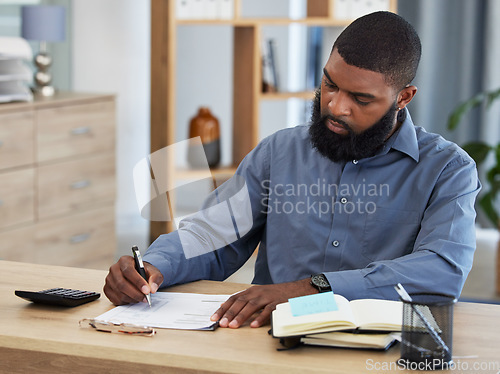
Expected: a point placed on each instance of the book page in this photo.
(376, 314)
(285, 324)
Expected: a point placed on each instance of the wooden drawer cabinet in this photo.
(16, 139)
(17, 197)
(75, 130)
(57, 180)
(76, 184)
(83, 240)
(18, 244)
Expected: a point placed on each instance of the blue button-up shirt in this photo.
(405, 215)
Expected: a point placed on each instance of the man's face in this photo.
(354, 111)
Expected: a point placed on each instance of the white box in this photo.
(210, 9)
(197, 7)
(182, 9)
(359, 8)
(342, 9)
(225, 9)
(363, 7)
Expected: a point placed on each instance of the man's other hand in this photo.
(124, 285)
(241, 306)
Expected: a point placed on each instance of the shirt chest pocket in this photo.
(389, 233)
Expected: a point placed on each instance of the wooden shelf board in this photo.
(305, 95)
(197, 174)
(312, 21)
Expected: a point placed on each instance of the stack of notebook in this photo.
(364, 323)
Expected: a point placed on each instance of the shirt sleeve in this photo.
(217, 240)
(443, 252)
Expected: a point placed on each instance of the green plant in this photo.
(479, 151)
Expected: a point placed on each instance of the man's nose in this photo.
(339, 104)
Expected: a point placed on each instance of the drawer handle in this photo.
(80, 130)
(1, 143)
(75, 239)
(1, 202)
(80, 184)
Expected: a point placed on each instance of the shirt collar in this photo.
(406, 138)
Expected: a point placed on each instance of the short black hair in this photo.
(383, 42)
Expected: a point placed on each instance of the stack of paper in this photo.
(169, 310)
(352, 9)
(204, 9)
(15, 75)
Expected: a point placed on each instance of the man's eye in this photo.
(329, 85)
(360, 102)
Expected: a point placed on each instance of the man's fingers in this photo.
(124, 282)
(115, 298)
(239, 308)
(128, 269)
(217, 315)
(231, 312)
(264, 317)
(153, 286)
(124, 285)
(243, 315)
(155, 278)
(111, 288)
(225, 306)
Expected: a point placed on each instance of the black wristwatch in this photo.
(320, 282)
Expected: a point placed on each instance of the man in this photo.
(356, 202)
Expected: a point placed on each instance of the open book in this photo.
(362, 314)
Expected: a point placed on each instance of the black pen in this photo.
(139, 266)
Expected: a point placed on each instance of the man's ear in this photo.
(406, 95)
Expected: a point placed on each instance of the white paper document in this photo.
(169, 310)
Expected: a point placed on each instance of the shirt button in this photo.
(343, 200)
(335, 243)
(355, 162)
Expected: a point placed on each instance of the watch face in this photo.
(320, 281)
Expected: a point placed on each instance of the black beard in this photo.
(343, 148)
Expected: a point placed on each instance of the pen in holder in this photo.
(427, 331)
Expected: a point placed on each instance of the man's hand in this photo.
(241, 306)
(124, 285)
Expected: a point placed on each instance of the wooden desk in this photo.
(44, 339)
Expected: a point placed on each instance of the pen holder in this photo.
(427, 333)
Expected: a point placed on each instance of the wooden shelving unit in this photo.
(246, 69)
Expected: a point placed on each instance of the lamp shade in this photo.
(44, 22)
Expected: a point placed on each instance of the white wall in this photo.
(111, 54)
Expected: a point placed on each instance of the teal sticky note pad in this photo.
(311, 304)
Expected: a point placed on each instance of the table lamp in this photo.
(43, 23)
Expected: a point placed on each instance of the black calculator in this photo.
(59, 296)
